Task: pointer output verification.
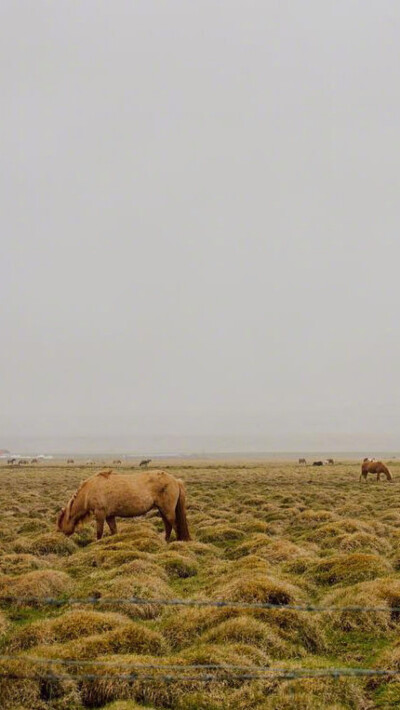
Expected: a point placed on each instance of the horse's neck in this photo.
(77, 509)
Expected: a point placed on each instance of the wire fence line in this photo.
(222, 673)
(218, 604)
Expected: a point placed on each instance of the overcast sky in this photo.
(200, 219)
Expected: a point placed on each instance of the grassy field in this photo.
(277, 533)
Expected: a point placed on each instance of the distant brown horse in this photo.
(108, 495)
(374, 467)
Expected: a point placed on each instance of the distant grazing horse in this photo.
(11, 461)
(70, 461)
(302, 461)
(374, 467)
(117, 462)
(318, 463)
(331, 462)
(108, 495)
(145, 462)
(34, 460)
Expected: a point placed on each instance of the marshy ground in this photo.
(275, 532)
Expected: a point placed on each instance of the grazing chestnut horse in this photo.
(374, 467)
(108, 495)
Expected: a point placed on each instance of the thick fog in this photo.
(200, 222)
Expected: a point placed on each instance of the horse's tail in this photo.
(387, 472)
(180, 514)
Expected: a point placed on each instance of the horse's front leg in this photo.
(112, 524)
(100, 518)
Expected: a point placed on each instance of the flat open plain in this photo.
(262, 532)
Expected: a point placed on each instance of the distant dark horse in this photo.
(145, 462)
(318, 463)
(302, 461)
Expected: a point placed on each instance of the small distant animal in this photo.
(11, 461)
(374, 467)
(145, 462)
(34, 460)
(302, 461)
(318, 463)
(331, 462)
(20, 462)
(108, 495)
(70, 461)
(117, 462)
(89, 461)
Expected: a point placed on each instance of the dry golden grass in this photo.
(275, 533)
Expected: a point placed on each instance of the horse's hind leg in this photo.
(112, 524)
(100, 518)
(167, 526)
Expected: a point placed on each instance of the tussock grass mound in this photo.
(142, 538)
(283, 550)
(34, 692)
(247, 565)
(302, 694)
(219, 532)
(303, 631)
(244, 629)
(47, 544)
(71, 625)
(257, 543)
(349, 569)
(199, 549)
(20, 564)
(259, 588)
(225, 654)
(41, 583)
(380, 592)
(177, 565)
(36, 525)
(363, 541)
(113, 559)
(146, 587)
(327, 535)
(141, 569)
(192, 621)
(313, 518)
(300, 565)
(131, 637)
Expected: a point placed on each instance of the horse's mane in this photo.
(105, 474)
(67, 511)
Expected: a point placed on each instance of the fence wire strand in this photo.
(218, 604)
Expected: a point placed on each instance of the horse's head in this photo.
(64, 523)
